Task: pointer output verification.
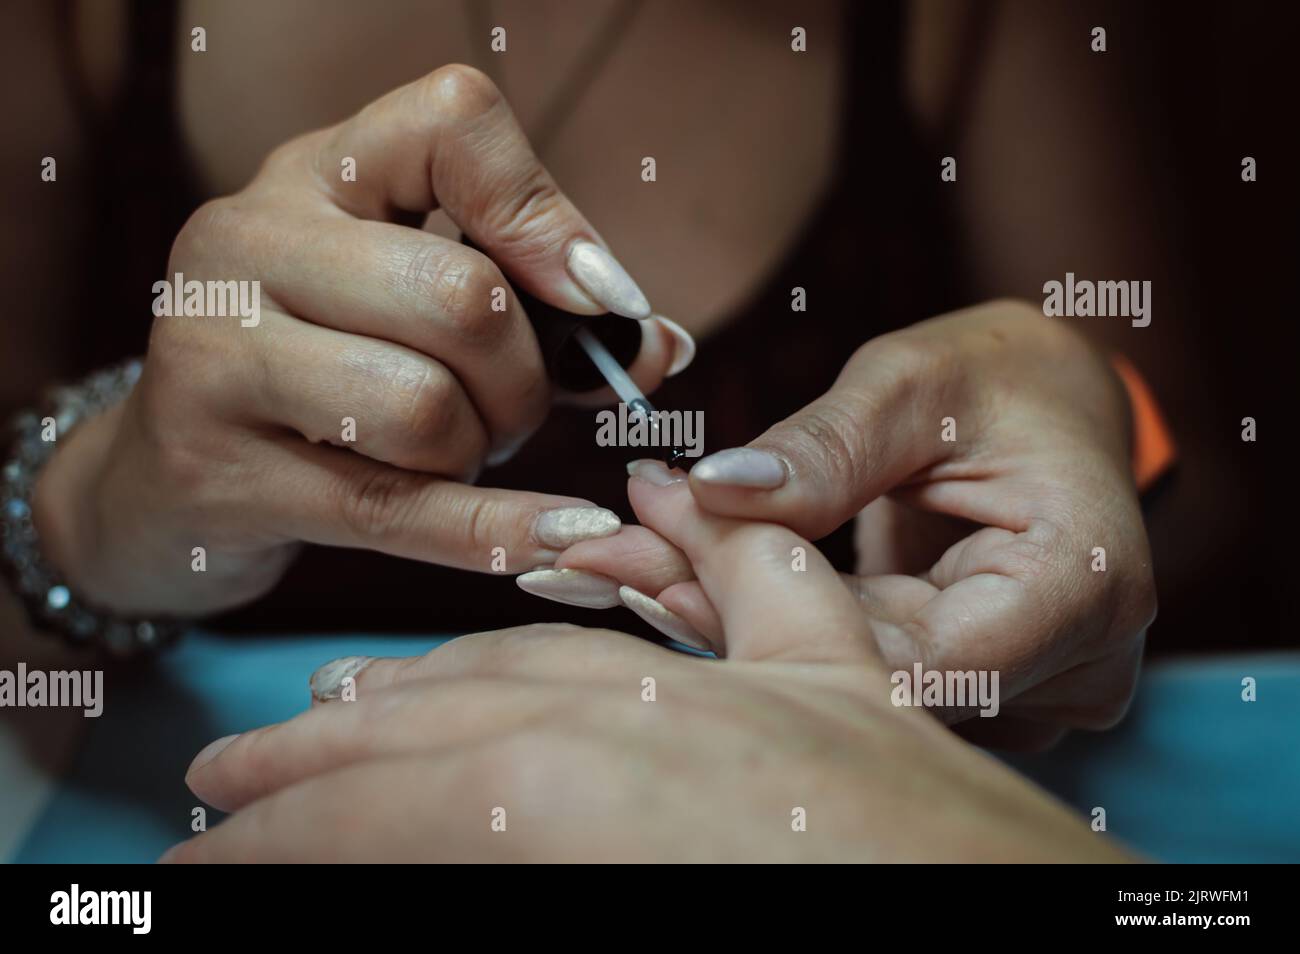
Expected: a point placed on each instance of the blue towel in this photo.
(1194, 773)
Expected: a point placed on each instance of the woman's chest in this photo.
(691, 135)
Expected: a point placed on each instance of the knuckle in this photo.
(526, 215)
(831, 436)
(193, 236)
(422, 402)
(477, 517)
(1033, 556)
(378, 504)
(901, 355)
(908, 370)
(288, 156)
(215, 227)
(427, 422)
(458, 92)
(462, 287)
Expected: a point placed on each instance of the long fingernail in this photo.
(605, 280)
(566, 526)
(327, 681)
(741, 467)
(683, 345)
(654, 472)
(662, 618)
(572, 587)
(211, 751)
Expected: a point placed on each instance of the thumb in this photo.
(881, 422)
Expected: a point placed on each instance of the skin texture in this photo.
(975, 553)
(226, 441)
(549, 723)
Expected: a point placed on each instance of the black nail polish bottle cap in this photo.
(567, 363)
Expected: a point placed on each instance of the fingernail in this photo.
(566, 526)
(327, 681)
(605, 280)
(741, 467)
(662, 618)
(210, 752)
(573, 587)
(683, 345)
(654, 472)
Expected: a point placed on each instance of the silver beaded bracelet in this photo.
(50, 603)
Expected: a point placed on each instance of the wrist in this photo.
(65, 504)
(62, 451)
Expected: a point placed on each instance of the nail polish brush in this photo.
(626, 389)
(585, 352)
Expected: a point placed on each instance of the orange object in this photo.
(1154, 453)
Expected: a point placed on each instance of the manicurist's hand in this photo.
(985, 455)
(374, 385)
(554, 743)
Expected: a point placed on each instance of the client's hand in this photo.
(373, 336)
(1001, 528)
(554, 743)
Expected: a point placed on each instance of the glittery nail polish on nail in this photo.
(566, 526)
(572, 587)
(327, 681)
(601, 276)
(741, 467)
(662, 618)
